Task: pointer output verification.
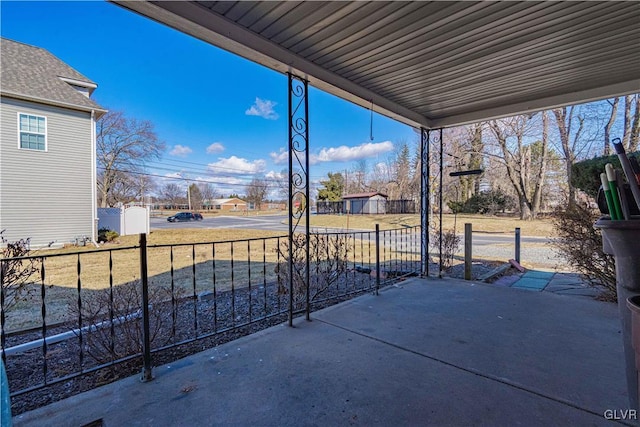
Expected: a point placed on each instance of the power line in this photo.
(275, 185)
(206, 168)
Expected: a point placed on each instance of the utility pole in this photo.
(189, 195)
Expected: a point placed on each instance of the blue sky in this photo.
(223, 118)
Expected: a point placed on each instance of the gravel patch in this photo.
(178, 332)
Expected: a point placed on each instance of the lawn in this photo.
(62, 280)
(199, 260)
(253, 262)
(481, 223)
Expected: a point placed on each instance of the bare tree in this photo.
(281, 181)
(18, 272)
(609, 125)
(256, 191)
(566, 118)
(402, 173)
(172, 194)
(360, 176)
(631, 134)
(525, 163)
(128, 187)
(123, 146)
(630, 123)
(208, 192)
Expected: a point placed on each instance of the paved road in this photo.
(278, 223)
(265, 222)
(534, 250)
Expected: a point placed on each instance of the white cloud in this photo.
(214, 148)
(222, 180)
(339, 154)
(263, 108)
(237, 165)
(173, 175)
(275, 175)
(280, 157)
(349, 154)
(180, 151)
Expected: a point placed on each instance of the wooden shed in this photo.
(365, 203)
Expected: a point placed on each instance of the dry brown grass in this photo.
(237, 264)
(252, 263)
(481, 223)
(61, 268)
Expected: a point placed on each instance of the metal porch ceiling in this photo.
(432, 64)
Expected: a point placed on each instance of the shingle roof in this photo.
(224, 201)
(363, 195)
(30, 72)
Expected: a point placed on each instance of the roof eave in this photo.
(540, 104)
(99, 111)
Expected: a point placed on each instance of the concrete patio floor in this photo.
(424, 352)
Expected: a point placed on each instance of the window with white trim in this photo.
(33, 132)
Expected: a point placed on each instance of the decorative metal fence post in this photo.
(298, 190)
(2, 311)
(435, 136)
(377, 258)
(517, 244)
(468, 259)
(147, 375)
(440, 202)
(424, 201)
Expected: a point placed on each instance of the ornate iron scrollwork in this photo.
(298, 194)
(427, 139)
(425, 201)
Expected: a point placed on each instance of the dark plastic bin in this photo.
(622, 240)
(633, 303)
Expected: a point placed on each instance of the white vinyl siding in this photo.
(46, 196)
(32, 132)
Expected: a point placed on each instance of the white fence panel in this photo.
(110, 218)
(136, 220)
(132, 220)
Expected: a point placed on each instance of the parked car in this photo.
(185, 216)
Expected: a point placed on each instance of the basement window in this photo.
(32, 132)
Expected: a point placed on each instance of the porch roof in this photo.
(430, 64)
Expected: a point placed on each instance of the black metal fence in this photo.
(369, 207)
(89, 310)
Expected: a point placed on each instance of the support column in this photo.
(440, 201)
(298, 263)
(435, 137)
(425, 185)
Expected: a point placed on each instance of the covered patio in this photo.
(423, 352)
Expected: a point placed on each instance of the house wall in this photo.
(233, 207)
(46, 195)
(371, 205)
(375, 205)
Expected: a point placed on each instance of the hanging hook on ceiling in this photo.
(371, 123)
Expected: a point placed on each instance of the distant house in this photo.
(47, 147)
(270, 206)
(233, 204)
(365, 203)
